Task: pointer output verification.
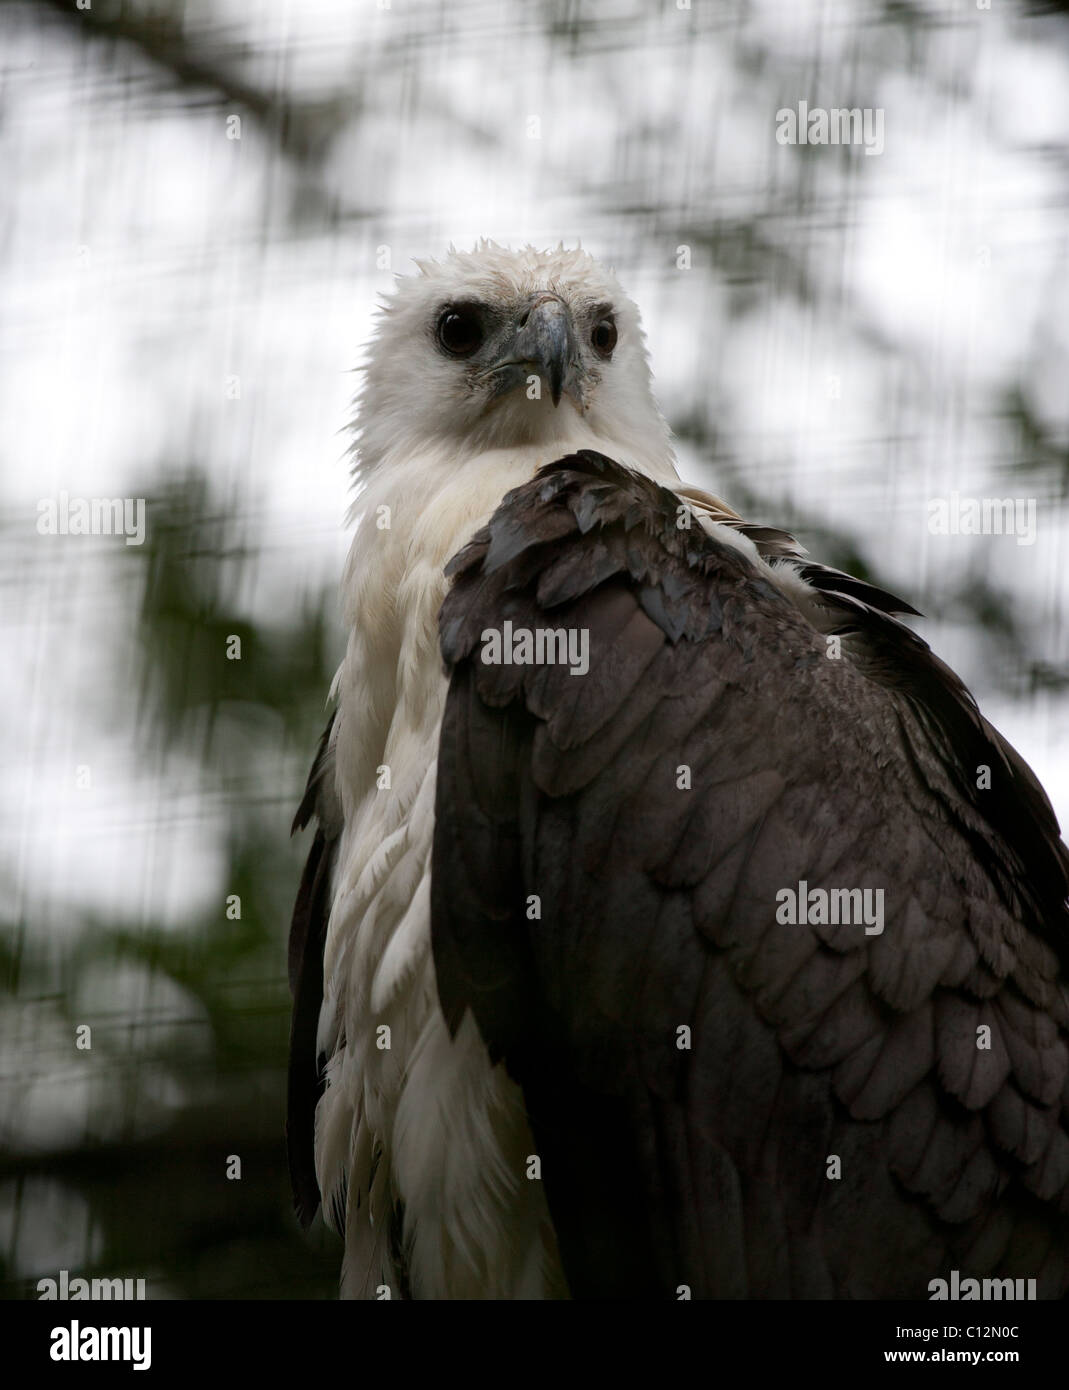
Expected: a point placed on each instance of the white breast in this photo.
(415, 1117)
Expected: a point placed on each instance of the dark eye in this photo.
(604, 337)
(460, 330)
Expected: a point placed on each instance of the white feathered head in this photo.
(495, 348)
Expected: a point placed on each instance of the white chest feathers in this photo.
(418, 1138)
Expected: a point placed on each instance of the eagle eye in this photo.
(603, 337)
(460, 330)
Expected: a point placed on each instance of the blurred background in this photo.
(200, 205)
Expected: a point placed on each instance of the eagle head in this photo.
(494, 349)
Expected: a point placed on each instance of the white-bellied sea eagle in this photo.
(675, 924)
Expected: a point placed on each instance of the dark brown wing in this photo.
(307, 937)
(723, 1100)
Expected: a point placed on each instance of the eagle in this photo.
(675, 925)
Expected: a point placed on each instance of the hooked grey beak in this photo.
(545, 340)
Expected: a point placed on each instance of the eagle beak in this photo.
(545, 340)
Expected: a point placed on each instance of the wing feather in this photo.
(307, 937)
(722, 1100)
